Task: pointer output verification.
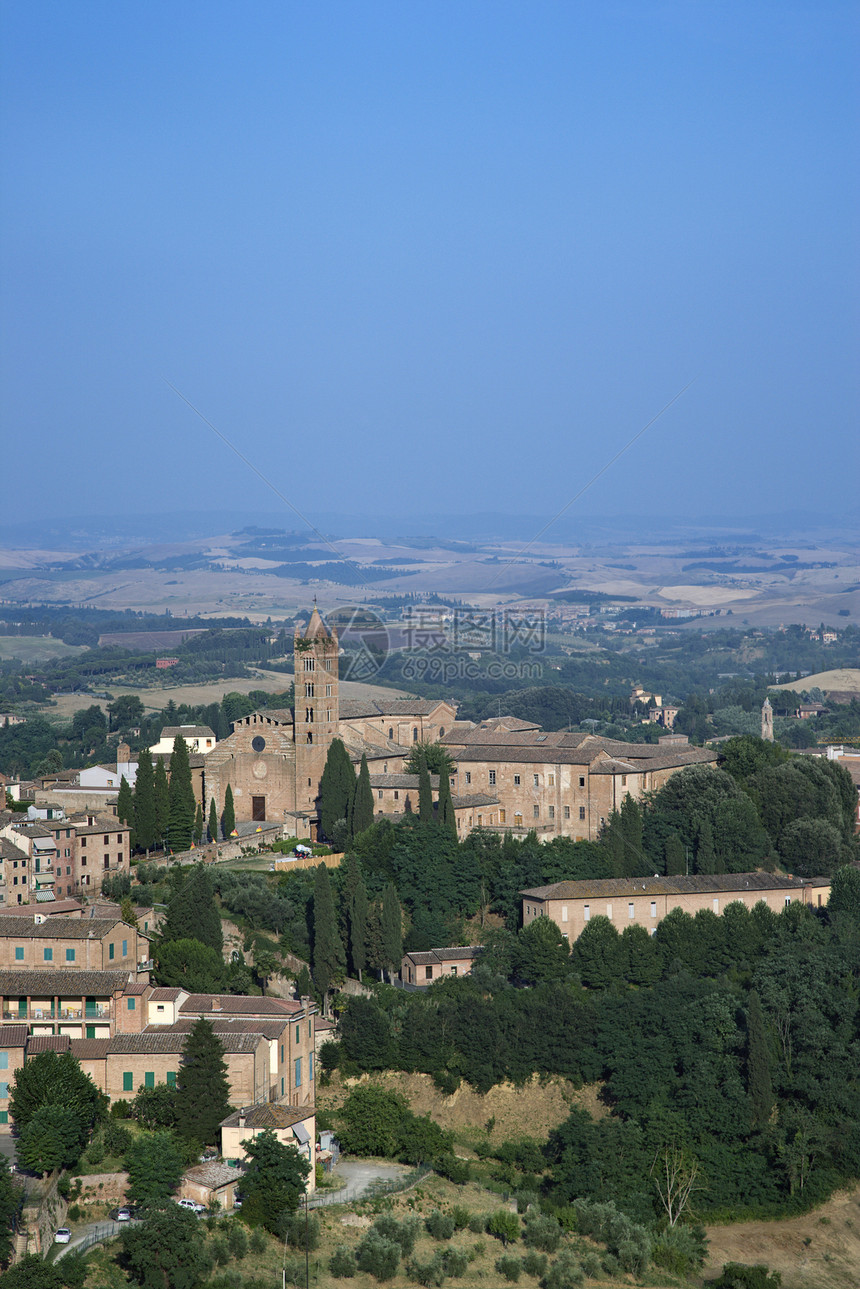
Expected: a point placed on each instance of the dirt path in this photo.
(818, 1251)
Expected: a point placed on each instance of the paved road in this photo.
(93, 1233)
(358, 1175)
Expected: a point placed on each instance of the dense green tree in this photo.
(145, 829)
(366, 1035)
(337, 787)
(154, 1164)
(155, 1107)
(436, 757)
(165, 1251)
(361, 807)
(811, 848)
(182, 805)
(640, 961)
(161, 799)
(706, 859)
(598, 954)
(202, 1086)
(329, 957)
(53, 1139)
(213, 821)
(125, 806)
(845, 895)
(274, 1182)
(675, 858)
(11, 1199)
(190, 965)
(355, 899)
(391, 925)
(759, 1084)
(371, 1121)
(425, 791)
(541, 953)
(55, 1079)
(125, 712)
(192, 912)
(33, 1272)
(701, 792)
(635, 862)
(228, 818)
(445, 815)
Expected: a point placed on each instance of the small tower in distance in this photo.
(316, 707)
(767, 720)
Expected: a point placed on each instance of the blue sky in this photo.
(438, 256)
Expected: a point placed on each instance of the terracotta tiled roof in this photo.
(720, 883)
(456, 953)
(90, 1049)
(268, 1115)
(47, 1043)
(213, 1175)
(13, 1035)
(56, 928)
(163, 994)
(237, 1005)
(68, 984)
(227, 1025)
(357, 708)
(165, 1042)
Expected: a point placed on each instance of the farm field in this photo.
(36, 648)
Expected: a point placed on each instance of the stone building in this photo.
(422, 967)
(645, 901)
(75, 944)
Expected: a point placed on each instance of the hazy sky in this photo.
(429, 255)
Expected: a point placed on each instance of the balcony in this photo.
(93, 1011)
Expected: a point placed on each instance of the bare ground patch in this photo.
(530, 1111)
(818, 1251)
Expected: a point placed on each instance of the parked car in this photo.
(63, 1235)
(191, 1205)
(123, 1215)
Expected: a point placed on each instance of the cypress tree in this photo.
(356, 906)
(228, 819)
(337, 787)
(706, 860)
(675, 859)
(144, 802)
(329, 958)
(445, 808)
(759, 1086)
(612, 839)
(125, 807)
(182, 804)
(161, 795)
(213, 820)
(192, 913)
(202, 1087)
(361, 817)
(425, 791)
(198, 824)
(392, 929)
(631, 831)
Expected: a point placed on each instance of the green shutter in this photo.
(132, 1003)
(149, 1079)
(110, 950)
(171, 1078)
(70, 955)
(91, 1031)
(19, 954)
(128, 1081)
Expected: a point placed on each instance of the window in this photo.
(391, 731)
(127, 1081)
(309, 715)
(414, 733)
(586, 912)
(631, 910)
(66, 852)
(328, 714)
(516, 780)
(132, 1004)
(4, 1060)
(536, 812)
(4, 1091)
(48, 955)
(492, 778)
(564, 912)
(582, 812)
(567, 812)
(309, 691)
(159, 1007)
(653, 908)
(298, 1080)
(149, 1079)
(311, 1067)
(19, 954)
(716, 906)
(110, 950)
(70, 955)
(787, 900)
(396, 794)
(125, 948)
(551, 780)
(107, 839)
(171, 1078)
(310, 664)
(469, 776)
(310, 1029)
(609, 911)
(83, 841)
(328, 691)
(282, 1054)
(298, 1034)
(428, 973)
(4, 1116)
(379, 793)
(582, 780)
(552, 812)
(536, 778)
(453, 971)
(107, 861)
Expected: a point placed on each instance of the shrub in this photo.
(116, 1138)
(220, 1253)
(526, 1199)
(120, 1110)
(446, 1082)
(377, 1255)
(403, 1233)
(461, 1216)
(342, 1263)
(477, 1224)
(541, 1232)
(300, 1230)
(75, 1213)
(680, 1249)
(456, 1261)
(430, 1273)
(440, 1225)
(504, 1226)
(509, 1267)
(535, 1264)
(258, 1242)
(591, 1264)
(738, 1275)
(565, 1272)
(625, 1240)
(238, 1241)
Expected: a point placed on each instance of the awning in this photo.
(301, 1133)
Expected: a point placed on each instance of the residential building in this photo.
(645, 901)
(73, 943)
(423, 967)
(292, 1125)
(78, 1004)
(13, 1042)
(199, 739)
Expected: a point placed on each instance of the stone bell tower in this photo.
(316, 711)
(767, 720)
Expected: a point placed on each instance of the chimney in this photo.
(242, 1118)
